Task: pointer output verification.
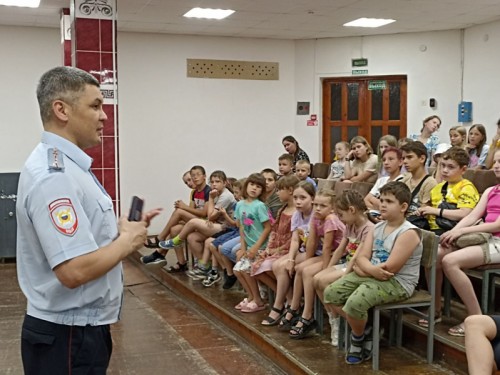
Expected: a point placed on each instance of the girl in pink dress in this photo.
(280, 237)
(469, 257)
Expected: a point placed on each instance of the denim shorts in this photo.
(230, 248)
(229, 235)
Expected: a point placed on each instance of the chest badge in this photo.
(63, 216)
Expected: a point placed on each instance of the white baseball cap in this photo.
(441, 148)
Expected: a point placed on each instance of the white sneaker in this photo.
(334, 324)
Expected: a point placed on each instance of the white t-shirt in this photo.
(375, 191)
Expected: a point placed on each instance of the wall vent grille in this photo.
(232, 69)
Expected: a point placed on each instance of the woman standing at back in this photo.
(292, 147)
(428, 137)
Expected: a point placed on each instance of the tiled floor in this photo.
(164, 332)
(158, 333)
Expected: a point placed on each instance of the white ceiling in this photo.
(281, 19)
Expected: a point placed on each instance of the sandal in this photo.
(251, 307)
(178, 267)
(152, 244)
(268, 321)
(287, 324)
(354, 355)
(242, 304)
(425, 323)
(457, 331)
(368, 343)
(300, 332)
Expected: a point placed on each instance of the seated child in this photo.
(302, 171)
(440, 149)
(384, 143)
(188, 181)
(197, 230)
(213, 244)
(477, 147)
(418, 181)
(270, 196)
(350, 208)
(456, 261)
(182, 214)
(458, 136)
(392, 160)
(325, 234)
(362, 166)
(283, 268)
(494, 147)
(280, 238)
(253, 221)
(285, 165)
(458, 191)
(337, 167)
(388, 262)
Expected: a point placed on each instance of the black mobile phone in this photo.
(135, 213)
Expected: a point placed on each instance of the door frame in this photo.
(363, 122)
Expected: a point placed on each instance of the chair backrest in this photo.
(483, 179)
(320, 170)
(430, 244)
(341, 186)
(326, 184)
(362, 187)
(469, 174)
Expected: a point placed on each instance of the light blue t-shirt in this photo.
(311, 181)
(63, 212)
(252, 216)
(430, 145)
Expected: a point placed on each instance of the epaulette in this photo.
(55, 160)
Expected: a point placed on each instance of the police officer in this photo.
(69, 248)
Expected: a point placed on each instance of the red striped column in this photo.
(93, 49)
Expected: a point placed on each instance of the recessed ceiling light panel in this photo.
(21, 3)
(213, 14)
(369, 22)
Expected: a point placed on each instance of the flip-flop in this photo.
(457, 331)
(240, 305)
(252, 307)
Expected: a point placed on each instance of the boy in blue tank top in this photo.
(386, 269)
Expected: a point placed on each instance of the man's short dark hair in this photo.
(62, 83)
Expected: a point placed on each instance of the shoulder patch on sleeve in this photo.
(63, 216)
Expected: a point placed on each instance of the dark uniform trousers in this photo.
(55, 349)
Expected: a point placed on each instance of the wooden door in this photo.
(366, 106)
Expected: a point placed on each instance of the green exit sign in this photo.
(359, 62)
(377, 85)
